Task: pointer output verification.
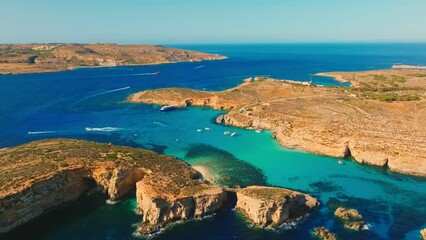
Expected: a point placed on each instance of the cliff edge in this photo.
(380, 120)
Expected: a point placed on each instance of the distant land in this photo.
(380, 120)
(52, 57)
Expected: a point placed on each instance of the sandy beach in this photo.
(205, 173)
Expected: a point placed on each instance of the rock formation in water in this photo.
(423, 234)
(324, 233)
(380, 120)
(346, 214)
(38, 177)
(351, 217)
(271, 207)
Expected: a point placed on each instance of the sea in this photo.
(90, 104)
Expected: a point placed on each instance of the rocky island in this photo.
(52, 57)
(380, 120)
(38, 177)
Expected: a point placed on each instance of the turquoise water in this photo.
(64, 104)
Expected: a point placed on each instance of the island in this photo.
(379, 120)
(52, 57)
(40, 176)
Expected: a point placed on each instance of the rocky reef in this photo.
(351, 217)
(38, 177)
(324, 233)
(380, 120)
(423, 234)
(270, 207)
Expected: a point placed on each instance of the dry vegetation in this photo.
(34, 58)
(380, 120)
(26, 164)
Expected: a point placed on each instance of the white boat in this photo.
(207, 129)
(199, 130)
(233, 134)
(340, 162)
(226, 133)
(167, 108)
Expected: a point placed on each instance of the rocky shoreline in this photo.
(380, 121)
(41, 58)
(41, 176)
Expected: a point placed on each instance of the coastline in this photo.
(45, 58)
(205, 173)
(320, 125)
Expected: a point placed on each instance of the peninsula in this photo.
(43, 175)
(37, 58)
(380, 120)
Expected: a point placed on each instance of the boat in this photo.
(199, 130)
(259, 130)
(233, 134)
(207, 129)
(166, 108)
(226, 133)
(157, 73)
(340, 162)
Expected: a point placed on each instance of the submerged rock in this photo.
(354, 225)
(324, 233)
(346, 214)
(271, 206)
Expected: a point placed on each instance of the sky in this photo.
(212, 21)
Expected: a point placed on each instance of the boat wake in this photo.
(109, 91)
(103, 129)
(145, 74)
(41, 132)
(198, 67)
(160, 124)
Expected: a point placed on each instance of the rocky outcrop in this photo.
(354, 225)
(40, 197)
(351, 217)
(159, 210)
(40, 176)
(347, 214)
(324, 233)
(271, 207)
(43, 175)
(331, 121)
(423, 234)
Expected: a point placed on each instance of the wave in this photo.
(160, 124)
(111, 202)
(103, 129)
(41, 132)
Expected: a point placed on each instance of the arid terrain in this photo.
(380, 120)
(36, 58)
(43, 175)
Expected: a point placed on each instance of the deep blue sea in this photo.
(64, 104)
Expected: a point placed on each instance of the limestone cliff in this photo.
(271, 207)
(158, 209)
(43, 175)
(40, 176)
(380, 120)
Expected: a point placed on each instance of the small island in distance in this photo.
(53, 57)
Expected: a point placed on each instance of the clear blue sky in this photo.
(211, 21)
